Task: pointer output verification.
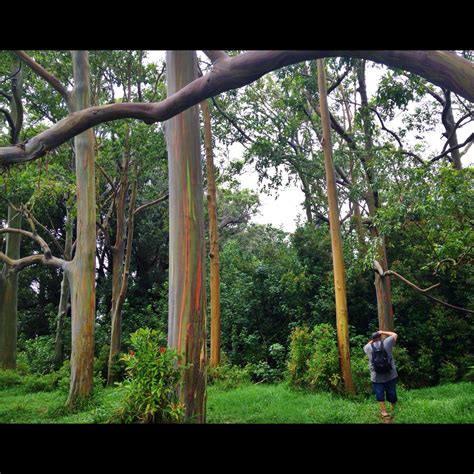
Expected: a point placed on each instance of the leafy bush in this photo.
(301, 349)
(39, 354)
(447, 372)
(151, 381)
(101, 364)
(228, 376)
(469, 375)
(314, 359)
(9, 378)
(41, 383)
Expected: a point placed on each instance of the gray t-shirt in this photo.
(388, 344)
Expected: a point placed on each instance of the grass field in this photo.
(450, 403)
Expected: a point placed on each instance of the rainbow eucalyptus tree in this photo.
(187, 299)
(342, 323)
(213, 239)
(81, 270)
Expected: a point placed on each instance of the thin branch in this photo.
(106, 176)
(48, 77)
(149, 204)
(232, 121)
(420, 290)
(469, 139)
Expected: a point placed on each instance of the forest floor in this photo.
(449, 403)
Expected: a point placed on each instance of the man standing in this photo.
(383, 372)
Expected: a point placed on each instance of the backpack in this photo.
(380, 359)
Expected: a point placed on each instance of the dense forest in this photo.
(187, 292)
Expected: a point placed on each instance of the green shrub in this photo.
(361, 374)
(22, 364)
(469, 375)
(323, 366)
(314, 359)
(9, 378)
(301, 349)
(39, 354)
(447, 372)
(152, 378)
(228, 376)
(101, 364)
(41, 383)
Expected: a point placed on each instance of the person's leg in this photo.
(380, 396)
(383, 409)
(391, 389)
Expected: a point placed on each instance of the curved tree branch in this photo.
(149, 204)
(48, 77)
(378, 269)
(443, 68)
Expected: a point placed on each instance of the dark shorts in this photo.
(389, 388)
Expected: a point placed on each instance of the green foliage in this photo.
(228, 376)
(151, 382)
(9, 378)
(447, 372)
(39, 354)
(314, 359)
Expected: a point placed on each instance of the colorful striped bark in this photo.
(187, 299)
(81, 271)
(215, 357)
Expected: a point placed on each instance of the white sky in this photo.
(282, 208)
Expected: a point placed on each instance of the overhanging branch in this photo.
(443, 68)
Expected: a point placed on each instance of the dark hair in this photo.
(376, 335)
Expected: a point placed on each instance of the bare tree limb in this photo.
(15, 266)
(42, 72)
(469, 139)
(378, 268)
(149, 204)
(443, 68)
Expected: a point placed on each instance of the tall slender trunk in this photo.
(64, 298)
(336, 240)
(382, 284)
(118, 254)
(9, 284)
(187, 299)
(81, 270)
(9, 297)
(213, 240)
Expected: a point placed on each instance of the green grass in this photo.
(450, 403)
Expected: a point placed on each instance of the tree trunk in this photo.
(213, 240)
(187, 301)
(383, 289)
(64, 298)
(81, 270)
(9, 297)
(336, 240)
(9, 285)
(118, 253)
(449, 124)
